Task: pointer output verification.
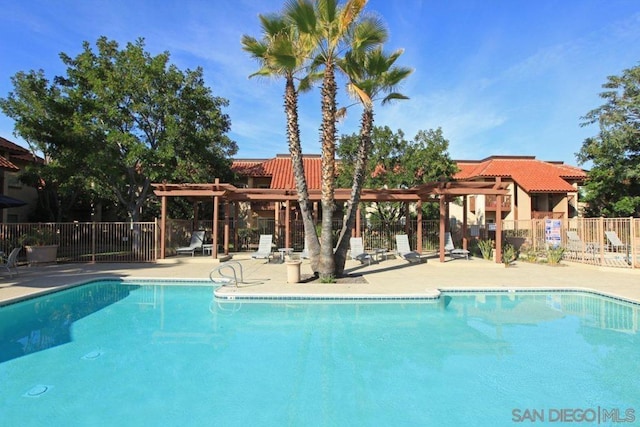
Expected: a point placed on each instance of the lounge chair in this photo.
(575, 243)
(357, 251)
(453, 251)
(616, 245)
(264, 247)
(11, 261)
(197, 240)
(404, 250)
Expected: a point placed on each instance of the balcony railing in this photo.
(546, 215)
(491, 203)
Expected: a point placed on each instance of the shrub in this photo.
(38, 237)
(508, 254)
(330, 278)
(554, 254)
(527, 253)
(486, 248)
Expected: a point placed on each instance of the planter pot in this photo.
(41, 254)
(293, 271)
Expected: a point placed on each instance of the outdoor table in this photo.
(207, 248)
(283, 252)
(379, 253)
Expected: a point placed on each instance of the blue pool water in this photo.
(112, 353)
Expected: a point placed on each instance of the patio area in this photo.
(391, 277)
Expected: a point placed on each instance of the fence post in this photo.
(93, 242)
(632, 242)
(601, 239)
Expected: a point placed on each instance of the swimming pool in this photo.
(143, 353)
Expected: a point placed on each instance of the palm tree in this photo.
(371, 74)
(333, 29)
(283, 52)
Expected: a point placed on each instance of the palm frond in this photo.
(393, 97)
(302, 14)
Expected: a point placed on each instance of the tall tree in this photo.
(124, 119)
(372, 77)
(284, 52)
(613, 183)
(334, 29)
(395, 162)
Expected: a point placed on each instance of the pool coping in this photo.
(223, 294)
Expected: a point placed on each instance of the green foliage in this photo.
(119, 120)
(527, 253)
(509, 254)
(613, 182)
(327, 278)
(394, 162)
(38, 236)
(486, 248)
(247, 235)
(554, 254)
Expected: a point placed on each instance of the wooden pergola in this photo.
(225, 194)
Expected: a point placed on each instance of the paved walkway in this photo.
(389, 277)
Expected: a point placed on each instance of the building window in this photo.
(14, 182)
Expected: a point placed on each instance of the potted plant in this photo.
(40, 245)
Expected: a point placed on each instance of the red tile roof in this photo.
(7, 165)
(280, 170)
(534, 176)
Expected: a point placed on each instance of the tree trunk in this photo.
(356, 189)
(293, 133)
(326, 267)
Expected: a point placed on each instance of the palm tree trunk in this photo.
(329, 89)
(356, 189)
(293, 133)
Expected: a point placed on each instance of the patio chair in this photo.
(11, 261)
(614, 241)
(453, 251)
(617, 245)
(264, 247)
(357, 251)
(197, 240)
(575, 243)
(403, 249)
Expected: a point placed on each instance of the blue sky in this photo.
(500, 77)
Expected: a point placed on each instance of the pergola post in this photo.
(276, 221)
(236, 220)
(214, 232)
(163, 227)
(287, 225)
(226, 227)
(358, 229)
(443, 218)
(419, 226)
(498, 225)
(465, 240)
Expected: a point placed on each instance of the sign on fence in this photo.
(552, 230)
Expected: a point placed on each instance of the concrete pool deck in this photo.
(391, 277)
